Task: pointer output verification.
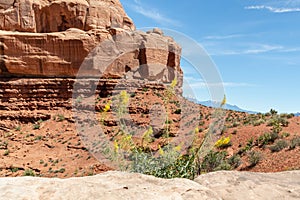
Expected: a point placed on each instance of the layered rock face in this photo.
(45, 43)
(53, 38)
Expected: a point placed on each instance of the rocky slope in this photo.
(43, 46)
(118, 185)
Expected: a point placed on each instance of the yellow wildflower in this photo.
(160, 151)
(174, 83)
(223, 142)
(223, 101)
(147, 135)
(178, 148)
(124, 98)
(116, 146)
(107, 106)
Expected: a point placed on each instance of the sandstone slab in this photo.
(228, 185)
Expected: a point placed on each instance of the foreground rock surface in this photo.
(121, 185)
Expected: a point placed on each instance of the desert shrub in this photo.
(60, 117)
(258, 122)
(254, 157)
(6, 152)
(285, 134)
(235, 161)
(183, 167)
(3, 145)
(288, 116)
(247, 147)
(18, 128)
(37, 125)
(223, 142)
(29, 172)
(267, 138)
(201, 123)
(294, 143)
(277, 121)
(278, 146)
(14, 169)
(214, 161)
(235, 124)
(178, 111)
(291, 115)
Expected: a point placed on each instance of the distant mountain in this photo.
(297, 114)
(226, 106)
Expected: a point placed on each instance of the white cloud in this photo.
(153, 14)
(200, 84)
(273, 9)
(252, 49)
(216, 37)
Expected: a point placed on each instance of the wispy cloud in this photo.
(273, 9)
(222, 37)
(196, 83)
(153, 13)
(201, 85)
(255, 49)
(217, 48)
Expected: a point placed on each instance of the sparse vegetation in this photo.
(278, 146)
(267, 138)
(29, 172)
(6, 152)
(254, 157)
(294, 142)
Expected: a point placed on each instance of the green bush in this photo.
(235, 161)
(294, 143)
(214, 161)
(258, 122)
(247, 147)
(178, 111)
(278, 146)
(29, 172)
(254, 157)
(267, 138)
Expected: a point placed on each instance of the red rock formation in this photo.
(46, 16)
(49, 40)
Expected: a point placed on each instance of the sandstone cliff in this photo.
(53, 38)
(44, 43)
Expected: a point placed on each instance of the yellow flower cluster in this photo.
(223, 142)
(124, 97)
(147, 135)
(174, 83)
(107, 106)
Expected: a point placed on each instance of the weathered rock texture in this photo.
(53, 38)
(27, 99)
(119, 185)
(44, 44)
(46, 16)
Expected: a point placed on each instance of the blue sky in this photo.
(255, 45)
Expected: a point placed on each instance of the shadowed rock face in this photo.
(119, 185)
